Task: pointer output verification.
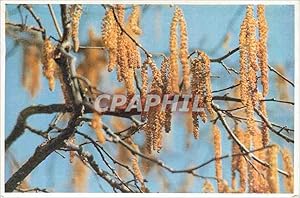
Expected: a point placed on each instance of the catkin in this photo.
(174, 52)
(155, 117)
(31, 69)
(264, 127)
(183, 53)
(288, 167)
(49, 63)
(80, 176)
(178, 19)
(208, 89)
(262, 48)
(218, 153)
(134, 20)
(76, 11)
(272, 174)
(243, 62)
(207, 187)
(109, 37)
(97, 126)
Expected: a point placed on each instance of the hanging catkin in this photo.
(75, 13)
(178, 19)
(218, 153)
(109, 36)
(183, 52)
(97, 126)
(264, 127)
(134, 20)
(135, 164)
(156, 117)
(49, 63)
(288, 167)
(31, 69)
(174, 52)
(80, 176)
(166, 89)
(206, 74)
(207, 187)
(262, 48)
(272, 174)
(243, 62)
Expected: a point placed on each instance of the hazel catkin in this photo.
(75, 13)
(49, 63)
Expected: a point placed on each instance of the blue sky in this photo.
(207, 26)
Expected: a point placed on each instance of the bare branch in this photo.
(55, 21)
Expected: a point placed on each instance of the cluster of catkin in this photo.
(75, 14)
(201, 88)
(123, 51)
(253, 57)
(31, 69)
(178, 19)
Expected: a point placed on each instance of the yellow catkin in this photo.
(97, 126)
(242, 163)
(262, 48)
(235, 159)
(208, 89)
(49, 63)
(264, 127)
(75, 13)
(155, 118)
(109, 37)
(174, 52)
(31, 69)
(166, 89)
(144, 75)
(257, 182)
(80, 176)
(272, 173)
(207, 187)
(195, 125)
(135, 164)
(183, 52)
(288, 167)
(243, 62)
(218, 154)
(134, 20)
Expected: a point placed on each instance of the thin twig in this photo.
(55, 21)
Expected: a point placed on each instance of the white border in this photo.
(189, 2)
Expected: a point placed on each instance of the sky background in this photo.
(207, 26)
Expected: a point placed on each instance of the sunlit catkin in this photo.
(272, 173)
(75, 13)
(135, 164)
(134, 20)
(262, 48)
(264, 127)
(243, 62)
(31, 69)
(97, 126)
(218, 153)
(288, 167)
(206, 73)
(174, 52)
(207, 187)
(183, 52)
(49, 63)
(80, 176)
(109, 37)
